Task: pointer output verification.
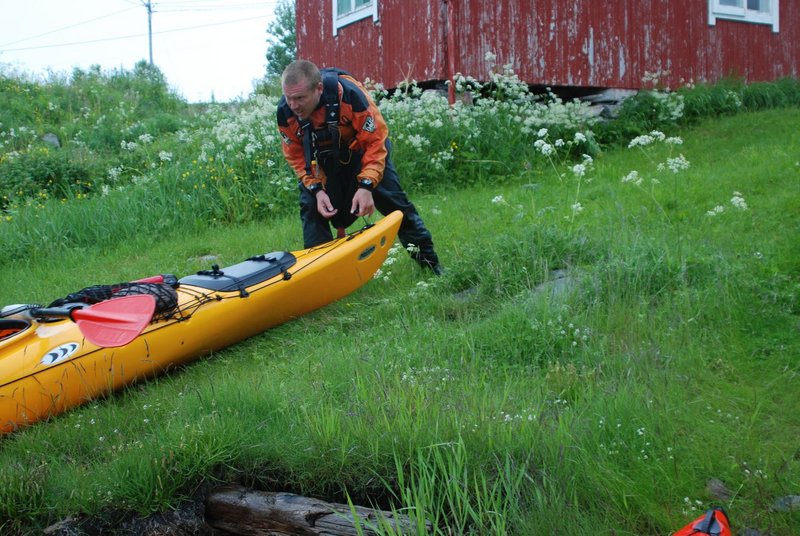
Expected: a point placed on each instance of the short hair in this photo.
(300, 71)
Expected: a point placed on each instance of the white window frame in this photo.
(369, 10)
(718, 11)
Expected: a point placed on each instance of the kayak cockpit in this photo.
(251, 272)
(11, 327)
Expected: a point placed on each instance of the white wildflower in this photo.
(738, 201)
(546, 149)
(418, 142)
(114, 173)
(677, 164)
(633, 177)
(579, 170)
(642, 141)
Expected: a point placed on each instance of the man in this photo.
(344, 165)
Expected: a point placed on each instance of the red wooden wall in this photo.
(585, 43)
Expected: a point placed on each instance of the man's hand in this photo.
(324, 205)
(363, 204)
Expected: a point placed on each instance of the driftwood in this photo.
(238, 510)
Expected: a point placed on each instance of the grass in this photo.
(481, 401)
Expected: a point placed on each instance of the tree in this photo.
(282, 39)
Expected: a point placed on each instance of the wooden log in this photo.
(237, 510)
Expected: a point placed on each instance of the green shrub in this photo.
(43, 173)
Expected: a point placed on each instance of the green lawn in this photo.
(484, 400)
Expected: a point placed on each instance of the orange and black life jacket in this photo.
(713, 523)
(346, 120)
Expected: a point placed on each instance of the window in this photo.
(757, 11)
(348, 11)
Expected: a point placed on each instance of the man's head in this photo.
(302, 86)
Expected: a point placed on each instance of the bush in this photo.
(42, 173)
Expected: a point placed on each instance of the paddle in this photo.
(110, 323)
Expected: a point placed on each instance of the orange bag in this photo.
(713, 523)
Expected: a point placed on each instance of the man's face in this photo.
(302, 99)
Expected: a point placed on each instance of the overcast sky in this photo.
(203, 47)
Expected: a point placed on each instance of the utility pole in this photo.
(149, 7)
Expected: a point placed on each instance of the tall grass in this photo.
(125, 138)
(578, 369)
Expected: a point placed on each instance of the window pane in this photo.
(349, 11)
(755, 11)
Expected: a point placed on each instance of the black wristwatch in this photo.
(366, 184)
(314, 188)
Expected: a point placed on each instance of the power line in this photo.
(136, 35)
(65, 27)
(205, 9)
(211, 5)
(199, 3)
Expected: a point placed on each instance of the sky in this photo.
(204, 48)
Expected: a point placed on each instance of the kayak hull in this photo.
(50, 367)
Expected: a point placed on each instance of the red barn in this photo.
(576, 43)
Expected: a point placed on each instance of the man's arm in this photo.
(363, 115)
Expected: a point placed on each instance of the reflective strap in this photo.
(330, 96)
(307, 144)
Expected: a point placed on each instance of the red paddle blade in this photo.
(151, 279)
(115, 322)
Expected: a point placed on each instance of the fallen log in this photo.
(238, 510)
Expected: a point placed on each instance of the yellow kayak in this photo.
(49, 365)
